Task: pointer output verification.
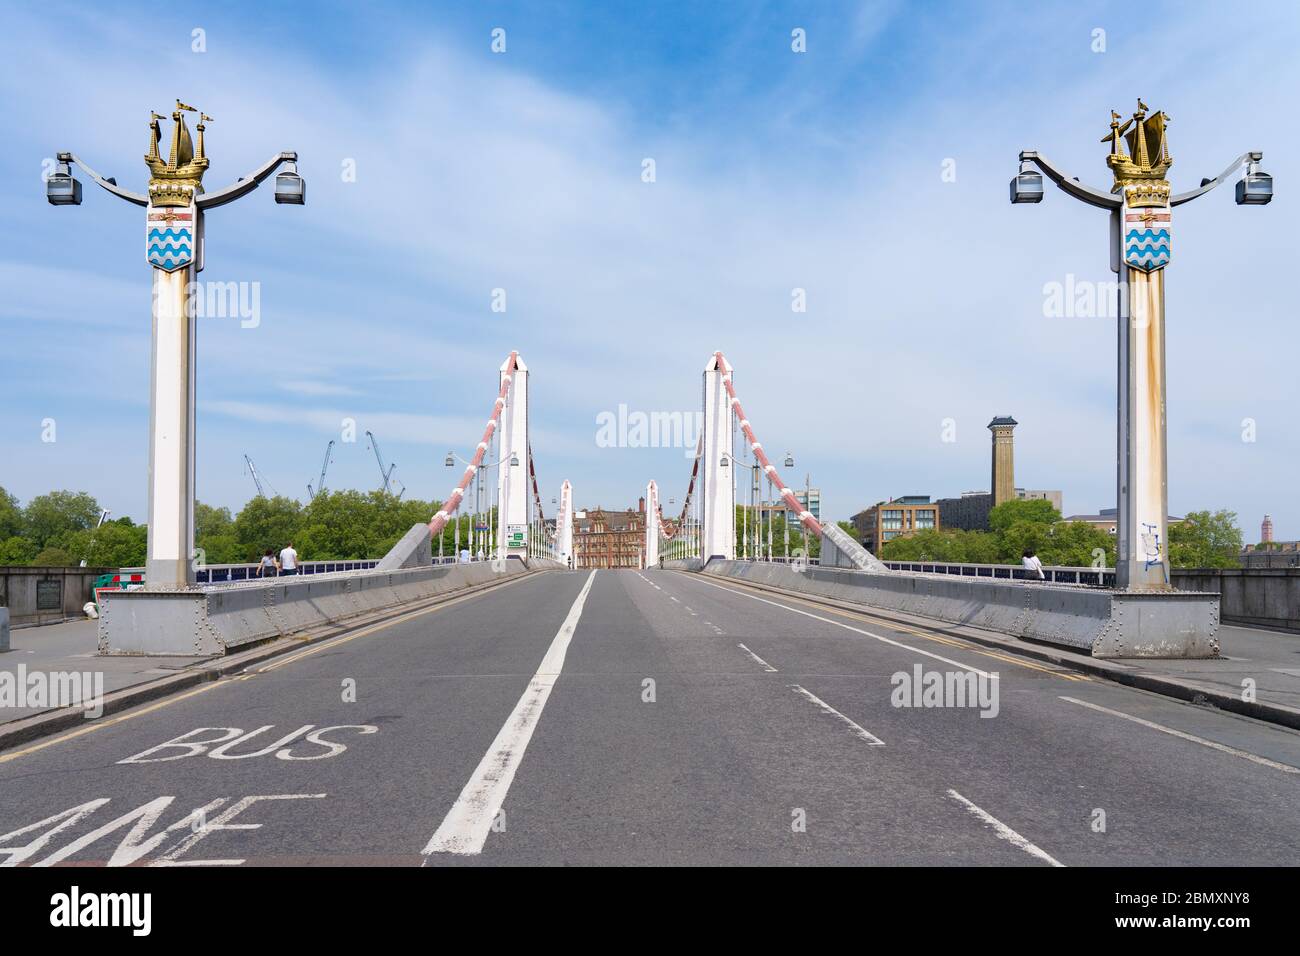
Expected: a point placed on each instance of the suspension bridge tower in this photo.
(512, 480)
(717, 491)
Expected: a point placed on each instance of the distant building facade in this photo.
(1271, 554)
(1266, 529)
(1003, 481)
(609, 539)
(970, 512)
(887, 520)
(1107, 519)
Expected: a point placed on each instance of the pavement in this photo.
(70, 648)
(623, 717)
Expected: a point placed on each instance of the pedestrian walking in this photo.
(288, 560)
(1033, 567)
(269, 566)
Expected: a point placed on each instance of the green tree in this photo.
(266, 523)
(17, 550)
(1075, 544)
(47, 516)
(214, 535)
(55, 558)
(1206, 540)
(1036, 511)
(114, 544)
(953, 545)
(11, 516)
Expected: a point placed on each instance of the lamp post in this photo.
(754, 493)
(475, 540)
(807, 503)
(175, 205)
(1140, 204)
(789, 463)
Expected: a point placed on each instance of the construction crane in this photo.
(385, 474)
(257, 479)
(320, 484)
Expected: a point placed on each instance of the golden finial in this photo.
(155, 134)
(1141, 175)
(176, 180)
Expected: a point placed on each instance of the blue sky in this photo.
(774, 171)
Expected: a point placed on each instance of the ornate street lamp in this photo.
(1140, 204)
(174, 245)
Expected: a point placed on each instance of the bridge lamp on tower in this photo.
(175, 205)
(1140, 204)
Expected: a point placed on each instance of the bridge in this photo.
(711, 706)
(700, 709)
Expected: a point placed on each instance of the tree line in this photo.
(1203, 539)
(58, 529)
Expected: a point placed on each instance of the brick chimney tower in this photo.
(1266, 529)
(1004, 459)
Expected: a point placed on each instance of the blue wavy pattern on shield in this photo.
(170, 248)
(1147, 249)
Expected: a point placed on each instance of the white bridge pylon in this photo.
(564, 526)
(521, 532)
(715, 466)
(652, 518)
(512, 476)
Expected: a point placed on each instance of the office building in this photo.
(891, 519)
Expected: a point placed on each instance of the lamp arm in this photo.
(1243, 159)
(246, 184)
(112, 187)
(1089, 194)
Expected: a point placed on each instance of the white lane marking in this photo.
(1005, 832)
(671, 598)
(1224, 748)
(858, 729)
(857, 630)
(770, 669)
(465, 828)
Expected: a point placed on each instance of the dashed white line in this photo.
(465, 828)
(1005, 832)
(1214, 745)
(857, 630)
(858, 729)
(766, 666)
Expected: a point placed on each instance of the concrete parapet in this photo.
(1103, 623)
(414, 550)
(220, 618)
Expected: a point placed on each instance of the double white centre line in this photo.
(465, 828)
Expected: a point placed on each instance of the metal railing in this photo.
(1088, 577)
(228, 573)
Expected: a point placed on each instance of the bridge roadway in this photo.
(769, 738)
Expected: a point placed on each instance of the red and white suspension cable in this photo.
(458, 493)
(805, 516)
(537, 495)
(690, 493)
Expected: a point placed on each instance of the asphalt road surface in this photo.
(618, 717)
